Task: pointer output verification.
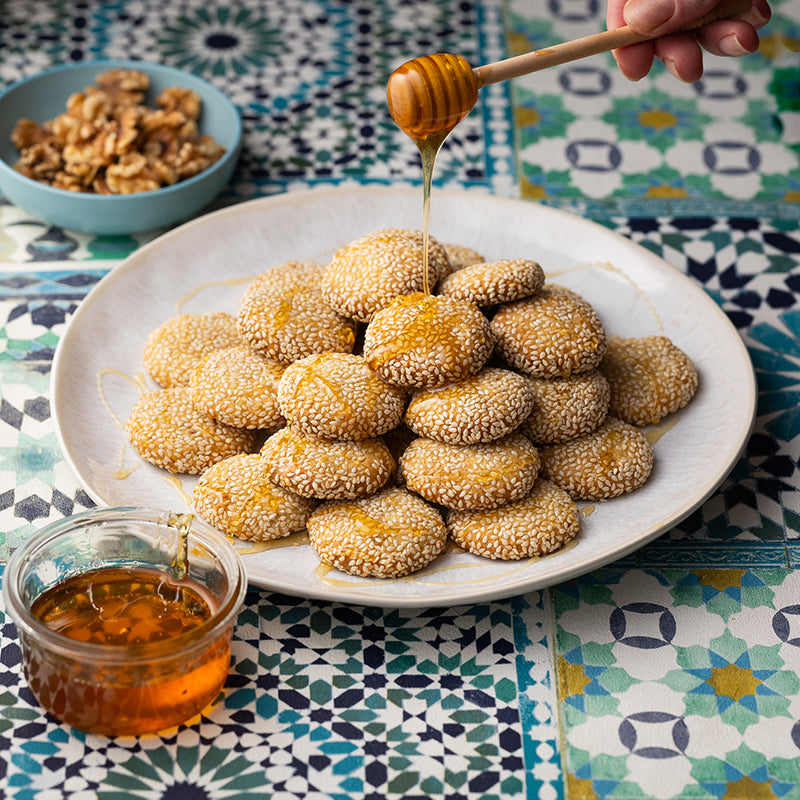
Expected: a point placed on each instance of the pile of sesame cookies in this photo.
(383, 420)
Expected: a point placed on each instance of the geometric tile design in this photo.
(651, 712)
(724, 145)
(322, 700)
(674, 670)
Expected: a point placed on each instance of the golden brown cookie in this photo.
(482, 408)
(461, 256)
(551, 334)
(174, 349)
(387, 535)
(539, 523)
(167, 430)
(426, 341)
(613, 460)
(325, 469)
(368, 273)
(338, 396)
(472, 476)
(237, 497)
(238, 387)
(284, 317)
(565, 408)
(649, 378)
(493, 282)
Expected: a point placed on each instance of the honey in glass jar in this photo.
(132, 643)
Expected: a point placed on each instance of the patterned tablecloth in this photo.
(674, 673)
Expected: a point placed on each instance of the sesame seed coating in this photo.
(565, 408)
(482, 408)
(338, 396)
(169, 432)
(284, 317)
(238, 387)
(611, 461)
(325, 469)
(649, 378)
(493, 282)
(237, 497)
(553, 333)
(472, 476)
(367, 274)
(539, 523)
(461, 256)
(427, 340)
(173, 349)
(388, 535)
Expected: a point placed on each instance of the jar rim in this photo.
(59, 644)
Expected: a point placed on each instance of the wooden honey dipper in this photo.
(432, 94)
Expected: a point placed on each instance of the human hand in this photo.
(681, 53)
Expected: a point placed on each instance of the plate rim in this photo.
(452, 593)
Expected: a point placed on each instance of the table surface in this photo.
(673, 673)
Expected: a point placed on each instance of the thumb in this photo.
(657, 17)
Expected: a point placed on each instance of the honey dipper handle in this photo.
(591, 45)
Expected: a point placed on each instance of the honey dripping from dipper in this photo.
(428, 96)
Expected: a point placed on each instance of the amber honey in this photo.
(428, 97)
(133, 613)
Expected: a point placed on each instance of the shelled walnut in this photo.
(108, 142)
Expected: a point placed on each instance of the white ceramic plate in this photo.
(205, 264)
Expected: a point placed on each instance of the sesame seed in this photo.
(169, 432)
(174, 349)
(649, 377)
(388, 535)
(237, 497)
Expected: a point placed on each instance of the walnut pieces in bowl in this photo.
(116, 146)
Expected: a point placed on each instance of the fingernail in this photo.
(645, 16)
(670, 65)
(731, 46)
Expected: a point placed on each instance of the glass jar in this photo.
(120, 684)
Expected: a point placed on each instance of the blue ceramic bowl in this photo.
(43, 97)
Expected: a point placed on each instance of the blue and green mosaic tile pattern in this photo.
(670, 674)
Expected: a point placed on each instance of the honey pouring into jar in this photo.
(122, 632)
(428, 96)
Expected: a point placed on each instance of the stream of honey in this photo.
(125, 609)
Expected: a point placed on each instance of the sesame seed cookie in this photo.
(338, 396)
(611, 461)
(426, 341)
(539, 523)
(482, 408)
(367, 274)
(472, 476)
(237, 497)
(324, 469)
(173, 349)
(649, 378)
(167, 430)
(238, 387)
(494, 282)
(553, 333)
(461, 256)
(565, 408)
(284, 317)
(388, 535)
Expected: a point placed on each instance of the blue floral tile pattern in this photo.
(671, 668)
(703, 709)
(337, 702)
(658, 146)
